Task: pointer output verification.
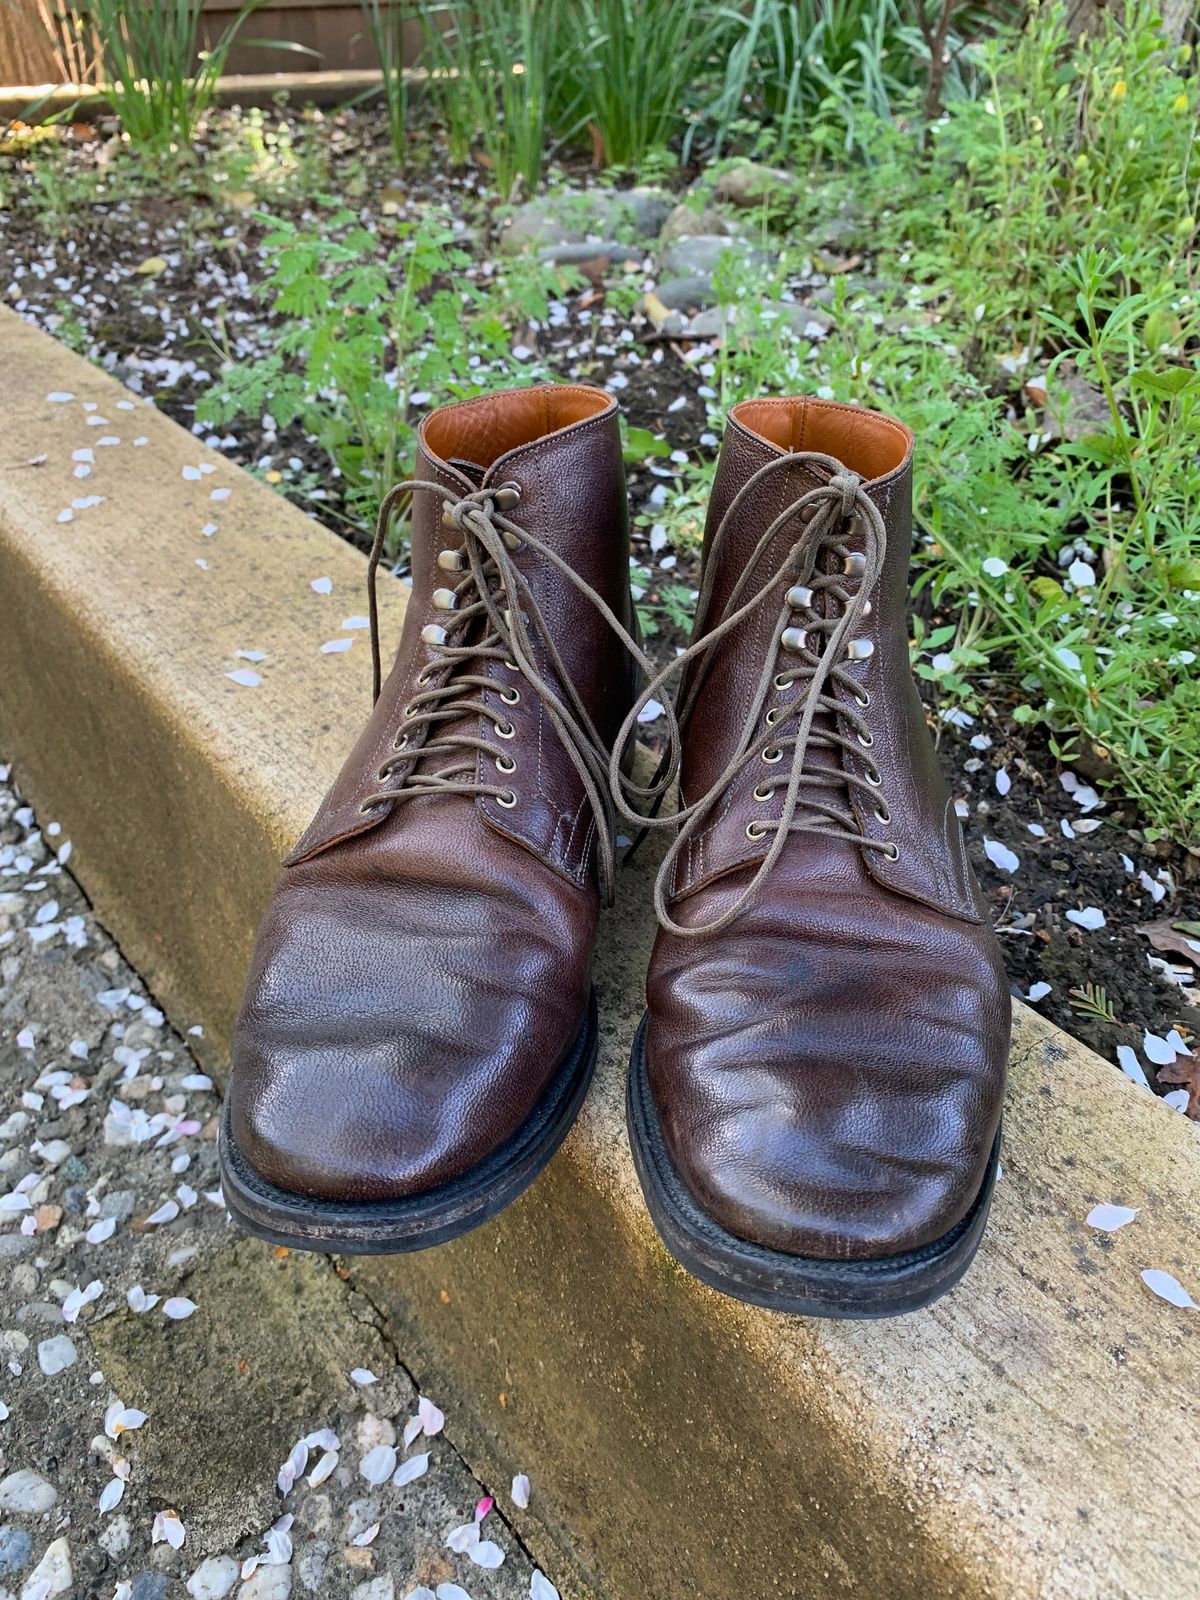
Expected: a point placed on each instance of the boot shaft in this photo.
(555, 450)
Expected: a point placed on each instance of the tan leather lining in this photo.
(868, 443)
(484, 429)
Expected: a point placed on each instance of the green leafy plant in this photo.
(367, 338)
(1091, 1001)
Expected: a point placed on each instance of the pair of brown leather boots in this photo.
(814, 1093)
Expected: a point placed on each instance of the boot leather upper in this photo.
(423, 967)
(828, 1069)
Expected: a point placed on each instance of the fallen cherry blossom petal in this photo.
(1168, 1288)
(378, 1464)
(411, 1429)
(363, 1375)
(1001, 857)
(1108, 1218)
(483, 1507)
(408, 1471)
(520, 1491)
(432, 1420)
(463, 1538)
(486, 1554)
(110, 1496)
(367, 1536)
(540, 1587)
(178, 1307)
(168, 1526)
(1130, 1065)
(1089, 918)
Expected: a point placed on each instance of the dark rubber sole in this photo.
(804, 1286)
(417, 1222)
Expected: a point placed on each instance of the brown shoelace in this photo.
(817, 801)
(490, 616)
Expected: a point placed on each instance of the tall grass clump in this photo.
(148, 53)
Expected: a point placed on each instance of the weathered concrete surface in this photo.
(1001, 1444)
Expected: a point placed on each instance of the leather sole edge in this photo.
(800, 1285)
(421, 1221)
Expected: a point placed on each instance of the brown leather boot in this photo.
(419, 1027)
(815, 1092)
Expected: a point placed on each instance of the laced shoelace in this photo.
(490, 616)
(816, 800)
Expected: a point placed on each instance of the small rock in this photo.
(686, 221)
(16, 1546)
(687, 294)
(749, 184)
(361, 1557)
(375, 1589)
(56, 1355)
(267, 1583)
(373, 1430)
(362, 1514)
(26, 1491)
(150, 1586)
(311, 1566)
(572, 252)
(54, 1569)
(700, 255)
(114, 1539)
(47, 1218)
(213, 1578)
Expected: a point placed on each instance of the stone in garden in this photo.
(573, 252)
(700, 255)
(56, 1355)
(213, 1579)
(26, 1491)
(570, 216)
(362, 1514)
(686, 221)
(52, 1575)
(749, 184)
(686, 294)
(16, 1546)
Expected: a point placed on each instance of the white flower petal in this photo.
(432, 1420)
(486, 1554)
(1089, 918)
(408, 1471)
(178, 1307)
(1109, 1218)
(378, 1464)
(1130, 1065)
(1001, 857)
(1168, 1288)
(520, 1491)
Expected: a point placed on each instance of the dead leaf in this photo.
(1185, 1071)
(151, 267)
(1172, 938)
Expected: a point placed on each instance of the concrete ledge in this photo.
(235, 89)
(1033, 1437)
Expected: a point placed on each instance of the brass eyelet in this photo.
(892, 852)
(508, 799)
(504, 730)
(782, 683)
(772, 716)
(367, 806)
(772, 754)
(863, 699)
(866, 740)
(400, 741)
(883, 815)
(505, 764)
(424, 675)
(384, 772)
(411, 709)
(512, 666)
(511, 697)
(764, 792)
(755, 831)
(873, 778)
